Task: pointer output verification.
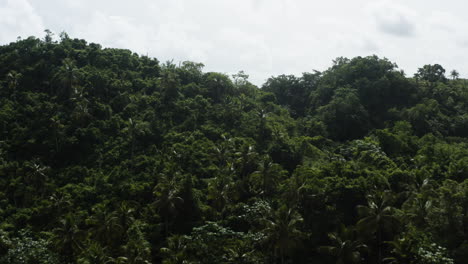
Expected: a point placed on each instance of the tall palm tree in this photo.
(245, 161)
(416, 208)
(132, 131)
(105, 226)
(125, 214)
(67, 75)
(242, 254)
(401, 252)
(60, 202)
(68, 236)
(135, 129)
(268, 172)
(167, 200)
(174, 253)
(282, 230)
(95, 253)
(13, 79)
(37, 176)
(138, 249)
(378, 217)
(454, 74)
(57, 128)
(346, 248)
(219, 190)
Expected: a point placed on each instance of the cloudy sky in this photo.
(261, 37)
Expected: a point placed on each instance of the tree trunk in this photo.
(379, 244)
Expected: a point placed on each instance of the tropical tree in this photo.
(346, 247)
(266, 177)
(167, 201)
(13, 79)
(105, 226)
(68, 236)
(67, 76)
(138, 249)
(94, 253)
(125, 214)
(135, 129)
(454, 74)
(378, 218)
(175, 253)
(282, 231)
(400, 252)
(431, 73)
(37, 176)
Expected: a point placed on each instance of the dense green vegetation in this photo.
(111, 157)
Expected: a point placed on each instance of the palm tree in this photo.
(68, 236)
(95, 253)
(135, 129)
(13, 79)
(245, 162)
(125, 214)
(175, 251)
(401, 252)
(378, 217)
(268, 172)
(60, 202)
(105, 227)
(138, 249)
(81, 110)
(57, 128)
(67, 75)
(454, 74)
(219, 190)
(167, 199)
(37, 176)
(132, 131)
(222, 152)
(346, 248)
(282, 231)
(416, 208)
(242, 254)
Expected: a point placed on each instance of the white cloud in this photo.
(263, 38)
(393, 18)
(18, 18)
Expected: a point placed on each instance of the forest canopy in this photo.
(107, 156)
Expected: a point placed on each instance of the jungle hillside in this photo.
(111, 157)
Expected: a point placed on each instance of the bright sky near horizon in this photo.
(261, 37)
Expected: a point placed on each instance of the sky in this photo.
(263, 38)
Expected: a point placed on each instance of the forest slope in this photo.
(111, 157)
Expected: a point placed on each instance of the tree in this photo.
(345, 116)
(68, 236)
(454, 74)
(105, 227)
(167, 200)
(219, 86)
(282, 231)
(13, 79)
(431, 73)
(266, 177)
(48, 36)
(67, 75)
(37, 176)
(345, 248)
(138, 249)
(135, 129)
(25, 249)
(378, 218)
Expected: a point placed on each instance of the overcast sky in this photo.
(261, 37)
